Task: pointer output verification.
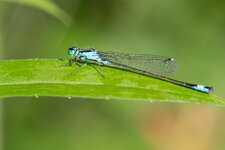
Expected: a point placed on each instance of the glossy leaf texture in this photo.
(47, 77)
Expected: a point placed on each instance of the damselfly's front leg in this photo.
(100, 69)
(85, 63)
(71, 61)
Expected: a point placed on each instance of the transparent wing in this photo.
(160, 65)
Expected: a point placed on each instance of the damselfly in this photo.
(153, 65)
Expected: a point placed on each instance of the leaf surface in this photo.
(46, 77)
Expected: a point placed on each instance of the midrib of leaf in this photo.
(46, 77)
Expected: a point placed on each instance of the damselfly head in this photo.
(72, 50)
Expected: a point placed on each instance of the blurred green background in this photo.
(191, 31)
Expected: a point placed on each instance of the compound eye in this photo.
(71, 52)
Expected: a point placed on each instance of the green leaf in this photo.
(47, 6)
(48, 78)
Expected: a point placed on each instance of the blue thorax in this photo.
(87, 55)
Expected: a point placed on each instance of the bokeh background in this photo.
(191, 31)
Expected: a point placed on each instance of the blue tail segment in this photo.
(201, 88)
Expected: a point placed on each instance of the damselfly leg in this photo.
(71, 62)
(80, 67)
(100, 69)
